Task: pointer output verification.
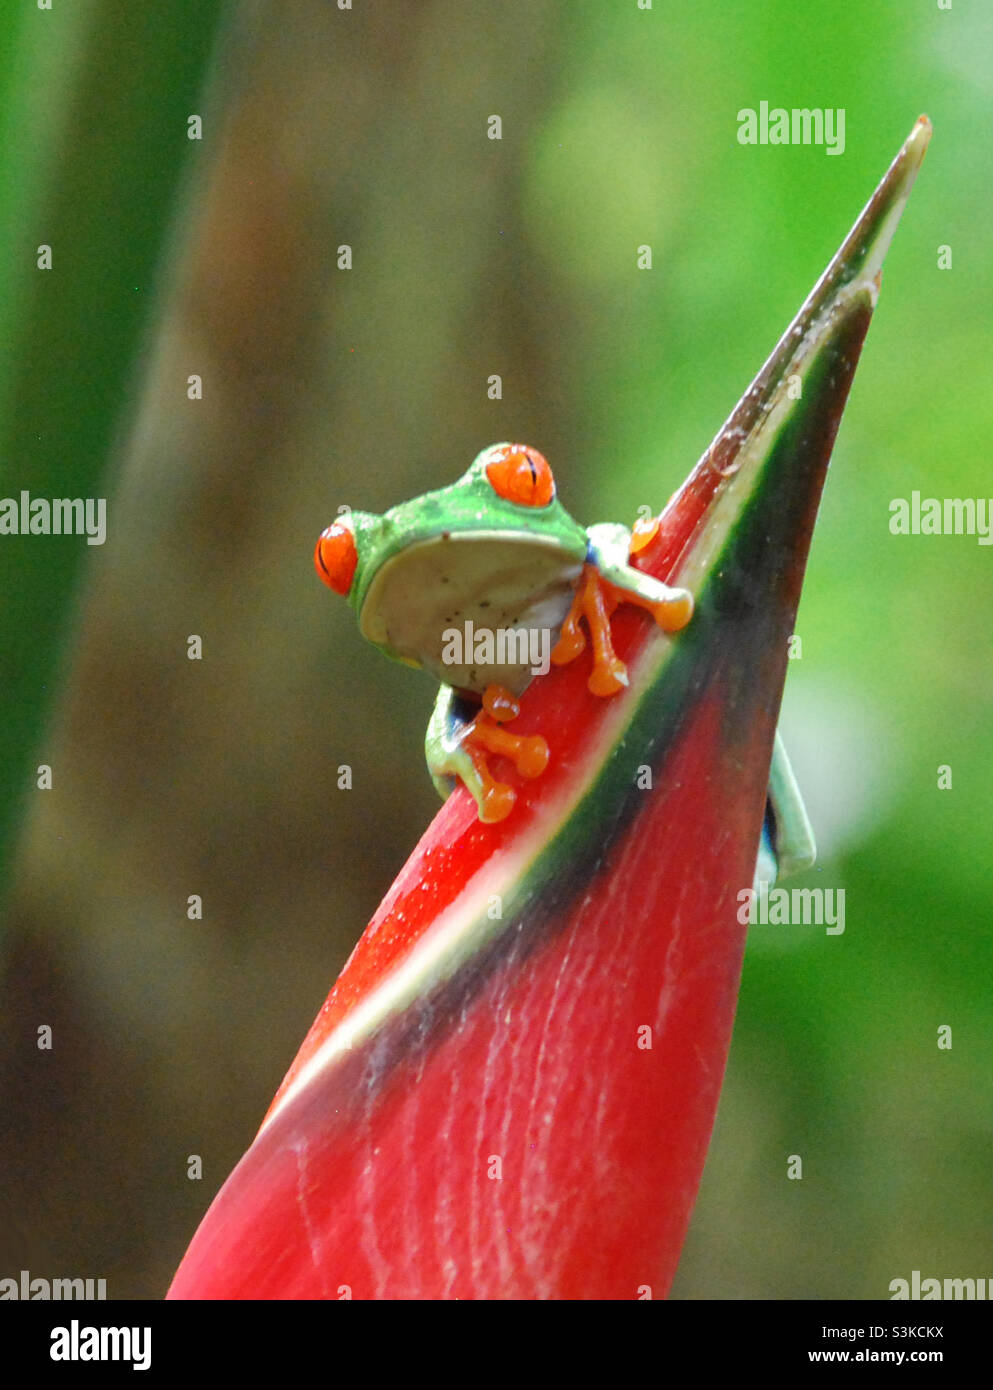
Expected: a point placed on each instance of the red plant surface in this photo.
(510, 1090)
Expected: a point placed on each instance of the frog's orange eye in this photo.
(336, 557)
(519, 474)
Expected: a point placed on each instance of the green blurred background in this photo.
(321, 386)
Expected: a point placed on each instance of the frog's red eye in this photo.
(336, 557)
(519, 474)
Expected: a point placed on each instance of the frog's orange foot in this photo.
(676, 609)
(528, 753)
(595, 600)
(672, 613)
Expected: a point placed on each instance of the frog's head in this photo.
(495, 545)
(507, 491)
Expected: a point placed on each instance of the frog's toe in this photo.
(608, 677)
(500, 704)
(532, 757)
(572, 641)
(674, 612)
(495, 802)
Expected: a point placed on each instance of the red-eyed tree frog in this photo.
(474, 582)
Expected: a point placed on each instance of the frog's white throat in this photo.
(474, 610)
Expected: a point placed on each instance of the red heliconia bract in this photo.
(510, 1090)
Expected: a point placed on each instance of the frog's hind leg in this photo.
(787, 843)
(451, 715)
(460, 735)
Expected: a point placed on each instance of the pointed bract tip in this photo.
(908, 161)
(878, 222)
(849, 285)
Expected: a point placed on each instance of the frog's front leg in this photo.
(787, 844)
(462, 733)
(608, 580)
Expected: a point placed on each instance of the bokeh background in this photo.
(321, 386)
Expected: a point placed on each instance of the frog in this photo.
(459, 582)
